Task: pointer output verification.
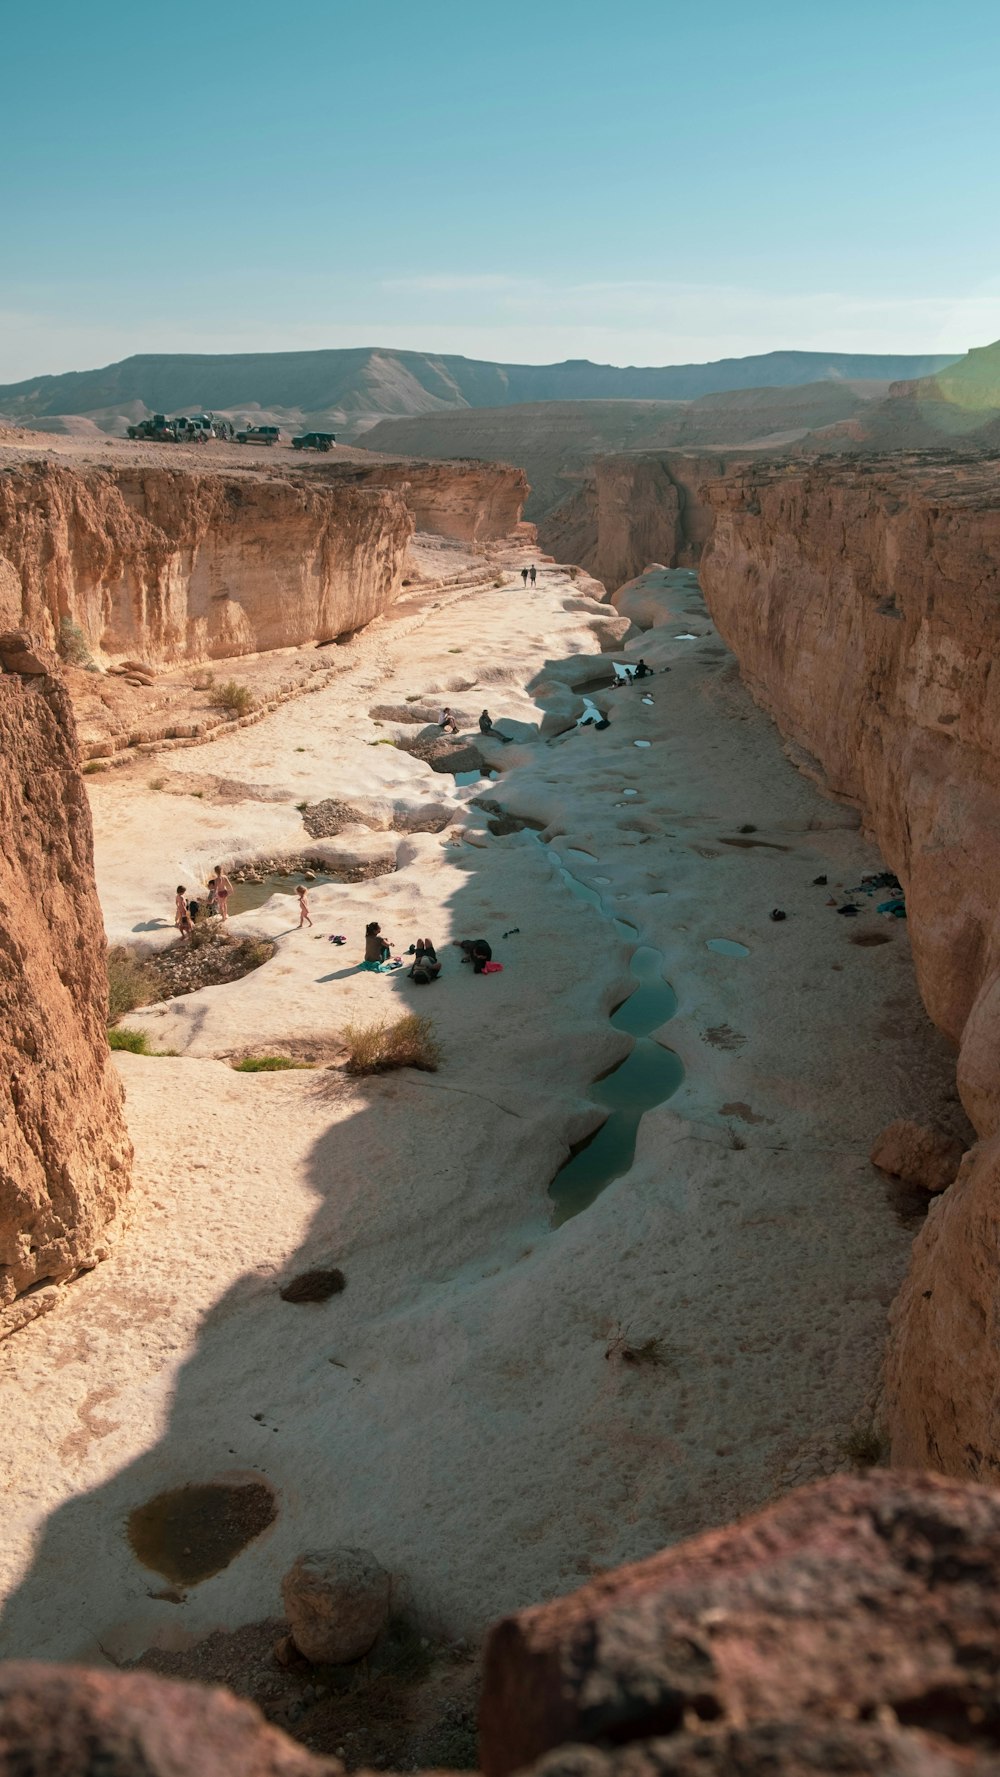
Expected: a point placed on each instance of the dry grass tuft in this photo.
(376, 1048)
(130, 982)
(234, 698)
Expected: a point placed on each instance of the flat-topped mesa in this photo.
(176, 565)
(862, 600)
(64, 1152)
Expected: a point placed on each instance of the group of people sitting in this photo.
(448, 725)
(426, 964)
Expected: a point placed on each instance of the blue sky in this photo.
(630, 181)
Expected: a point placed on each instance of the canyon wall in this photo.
(175, 565)
(635, 509)
(862, 601)
(64, 1152)
(470, 501)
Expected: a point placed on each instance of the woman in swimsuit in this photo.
(223, 889)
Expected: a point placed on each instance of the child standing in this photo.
(182, 917)
(304, 919)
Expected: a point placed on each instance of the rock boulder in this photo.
(918, 1155)
(336, 1602)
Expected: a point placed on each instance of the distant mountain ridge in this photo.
(352, 389)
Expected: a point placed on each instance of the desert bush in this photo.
(73, 646)
(574, 573)
(234, 698)
(375, 1048)
(865, 1445)
(257, 951)
(203, 681)
(135, 1041)
(130, 982)
(93, 766)
(267, 1064)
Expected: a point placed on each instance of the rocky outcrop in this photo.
(635, 509)
(337, 1603)
(862, 603)
(918, 1155)
(64, 1152)
(854, 1602)
(174, 565)
(853, 1628)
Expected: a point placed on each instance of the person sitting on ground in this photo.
(476, 951)
(376, 947)
(182, 915)
(486, 727)
(643, 671)
(425, 966)
(304, 918)
(447, 722)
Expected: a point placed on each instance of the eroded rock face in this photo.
(862, 603)
(917, 1154)
(854, 1601)
(472, 502)
(174, 565)
(64, 1152)
(633, 510)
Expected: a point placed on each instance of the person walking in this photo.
(533, 573)
(304, 917)
(524, 577)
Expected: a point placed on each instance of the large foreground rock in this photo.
(871, 1600)
(337, 1602)
(68, 1721)
(64, 1152)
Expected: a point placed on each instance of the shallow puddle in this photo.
(247, 896)
(192, 1532)
(647, 1076)
(726, 947)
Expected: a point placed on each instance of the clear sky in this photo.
(634, 181)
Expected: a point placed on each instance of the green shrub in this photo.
(375, 1048)
(865, 1445)
(130, 982)
(267, 1064)
(73, 646)
(234, 698)
(93, 766)
(135, 1041)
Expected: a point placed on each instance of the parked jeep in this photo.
(315, 441)
(259, 435)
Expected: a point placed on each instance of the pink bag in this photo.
(492, 968)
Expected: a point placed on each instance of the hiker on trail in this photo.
(223, 888)
(524, 576)
(643, 671)
(486, 727)
(425, 966)
(447, 722)
(533, 572)
(182, 918)
(304, 918)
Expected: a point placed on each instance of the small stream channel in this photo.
(647, 1076)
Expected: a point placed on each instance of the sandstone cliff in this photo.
(861, 600)
(634, 509)
(64, 1152)
(177, 565)
(472, 502)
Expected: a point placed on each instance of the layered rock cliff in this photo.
(634, 509)
(177, 565)
(472, 502)
(862, 600)
(64, 1152)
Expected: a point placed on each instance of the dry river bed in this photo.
(465, 1408)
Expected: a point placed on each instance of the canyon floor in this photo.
(466, 1408)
